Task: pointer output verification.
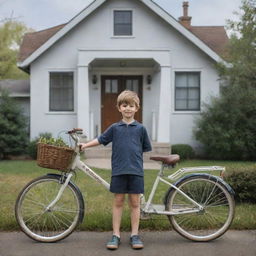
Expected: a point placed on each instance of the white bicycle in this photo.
(199, 206)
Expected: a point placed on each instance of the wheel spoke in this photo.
(52, 224)
(215, 217)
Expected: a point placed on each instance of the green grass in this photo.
(15, 174)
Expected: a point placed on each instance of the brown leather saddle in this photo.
(168, 160)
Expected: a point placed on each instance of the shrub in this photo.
(227, 125)
(243, 183)
(183, 150)
(13, 127)
(32, 146)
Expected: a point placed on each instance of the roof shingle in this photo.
(213, 36)
(32, 41)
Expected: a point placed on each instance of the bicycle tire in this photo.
(218, 202)
(55, 224)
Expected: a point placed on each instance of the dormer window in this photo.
(122, 23)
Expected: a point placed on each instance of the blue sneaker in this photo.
(113, 244)
(135, 242)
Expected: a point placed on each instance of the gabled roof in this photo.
(214, 36)
(32, 41)
(34, 44)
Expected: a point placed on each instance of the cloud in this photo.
(42, 14)
(203, 12)
(214, 13)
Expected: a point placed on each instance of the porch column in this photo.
(163, 131)
(83, 104)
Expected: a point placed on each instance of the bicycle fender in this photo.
(199, 175)
(81, 214)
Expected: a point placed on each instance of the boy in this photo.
(129, 140)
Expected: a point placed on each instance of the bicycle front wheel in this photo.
(218, 208)
(48, 225)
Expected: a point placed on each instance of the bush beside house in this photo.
(13, 127)
(227, 126)
(184, 151)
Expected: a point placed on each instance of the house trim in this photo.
(97, 3)
(19, 95)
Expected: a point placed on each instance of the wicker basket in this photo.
(53, 157)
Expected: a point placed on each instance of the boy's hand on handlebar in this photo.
(91, 143)
(82, 146)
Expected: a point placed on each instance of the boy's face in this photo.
(128, 110)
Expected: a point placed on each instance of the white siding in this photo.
(150, 33)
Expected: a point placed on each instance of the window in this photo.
(132, 85)
(61, 91)
(187, 91)
(111, 86)
(122, 23)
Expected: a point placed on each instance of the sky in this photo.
(43, 14)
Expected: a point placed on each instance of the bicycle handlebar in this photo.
(74, 134)
(75, 130)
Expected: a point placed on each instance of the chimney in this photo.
(185, 20)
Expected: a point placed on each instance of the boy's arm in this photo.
(104, 139)
(91, 143)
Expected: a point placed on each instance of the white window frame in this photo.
(112, 24)
(64, 70)
(173, 91)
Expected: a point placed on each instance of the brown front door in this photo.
(111, 87)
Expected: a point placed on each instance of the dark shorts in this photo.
(127, 184)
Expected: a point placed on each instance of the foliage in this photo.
(227, 126)
(45, 138)
(243, 183)
(11, 33)
(183, 150)
(59, 142)
(32, 146)
(13, 127)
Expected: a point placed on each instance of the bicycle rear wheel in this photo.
(218, 208)
(54, 224)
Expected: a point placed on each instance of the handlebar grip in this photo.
(80, 148)
(75, 130)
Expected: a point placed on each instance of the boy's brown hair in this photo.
(128, 97)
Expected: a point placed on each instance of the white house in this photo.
(77, 69)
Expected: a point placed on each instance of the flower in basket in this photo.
(54, 142)
(54, 153)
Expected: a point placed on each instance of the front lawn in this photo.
(15, 174)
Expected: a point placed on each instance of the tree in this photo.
(227, 126)
(13, 127)
(11, 33)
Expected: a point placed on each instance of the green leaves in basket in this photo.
(55, 142)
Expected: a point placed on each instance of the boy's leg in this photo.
(134, 203)
(118, 204)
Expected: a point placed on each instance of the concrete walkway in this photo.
(233, 243)
(104, 163)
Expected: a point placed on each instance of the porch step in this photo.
(105, 152)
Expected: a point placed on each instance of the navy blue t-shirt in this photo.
(129, 141)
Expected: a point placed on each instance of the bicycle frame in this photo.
(146, 207)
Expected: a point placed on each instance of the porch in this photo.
(148, 72)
